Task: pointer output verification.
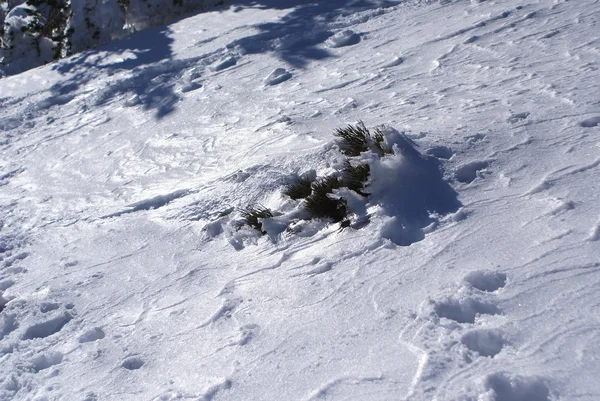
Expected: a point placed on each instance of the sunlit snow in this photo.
(470, 272)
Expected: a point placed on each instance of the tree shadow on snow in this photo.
(147, 54)
(298, 37)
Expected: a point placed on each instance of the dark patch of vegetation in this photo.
(318, 193)
(299, 189)
(355, 177)
(353, 139)
(379, 145)
(357, 139)
(252, 215)
(321, 204)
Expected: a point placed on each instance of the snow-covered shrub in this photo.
(30, 34)
(300, 188)
(381, 179)
(5, 7)
(355, 139)
(35, 32)
(92, 23)
(330, 198)
(355, 177)
(322, 202)
(252, 215)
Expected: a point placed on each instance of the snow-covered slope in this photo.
(124, 275)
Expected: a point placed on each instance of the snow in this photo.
(471, 271)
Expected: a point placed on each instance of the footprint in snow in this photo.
(505, 387)
(132, 363)
(464, 310)
(486, 342)
(92, 335)
(48, 327)
(278, 76)
(45, 361)
(46, 307)
(590, 122)
(487, 281)
(344, 38)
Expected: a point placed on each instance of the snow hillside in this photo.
(470, 272)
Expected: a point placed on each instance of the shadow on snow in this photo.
(297, 38)
(413, 193)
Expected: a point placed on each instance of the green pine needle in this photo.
(299, 189)
(252, 215)
(320, 205)
(355, 177)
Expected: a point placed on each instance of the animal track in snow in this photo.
(484, 342)
(344, 38)
(468, 172)
(47, 328)
(590, 122)
(464, 310)
(504, 387)
(277, 76)
(132, 363)
(46, 361)
(92, 335)
(486, 280)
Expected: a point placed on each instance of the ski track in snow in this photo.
(121, 276)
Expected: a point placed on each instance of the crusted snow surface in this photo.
(471, 271)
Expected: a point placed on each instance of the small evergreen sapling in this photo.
(353, 139)
(355, 177)
(321, 204)
(299, 189)
(357, 139)
(252, 215)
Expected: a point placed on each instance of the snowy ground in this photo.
(122, 280)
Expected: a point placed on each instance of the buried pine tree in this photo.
(356, 139)
(319, 199)
(299, 189)
(252, 215)
(353, 139)
(355, 177)
(322, 203)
